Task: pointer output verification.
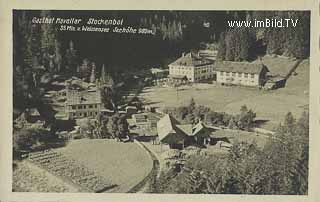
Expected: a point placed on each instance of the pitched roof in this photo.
(197, 128)
(83, 97)
(186, 128)
(191, 59)
(240, 67)
(167, 125)
(201, 129)
(164, 126)
(33, 112)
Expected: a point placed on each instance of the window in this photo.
(252, 75)
(228, 74)
(95, 106)
(90, 106)
(233, 74)
(73, 107)
(221, 73)
(246, 75)
(84, 106)
(239, 75)
(80, 107)
(85, 114)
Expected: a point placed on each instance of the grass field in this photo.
(270, 106)
(124, 164)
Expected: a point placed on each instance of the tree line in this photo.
(192, 113)
(246, 43)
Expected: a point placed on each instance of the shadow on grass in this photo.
(260, 122)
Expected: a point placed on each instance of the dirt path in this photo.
(145, 186)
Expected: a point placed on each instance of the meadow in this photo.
(270, 106)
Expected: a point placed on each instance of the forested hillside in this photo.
(40, 50)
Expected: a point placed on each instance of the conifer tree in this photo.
(93, 73)
(222, 47)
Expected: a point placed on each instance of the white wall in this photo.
(238, 79)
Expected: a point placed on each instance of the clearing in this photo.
(270, 106)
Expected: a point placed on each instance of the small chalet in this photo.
(241, 73)
(178, 136)
(30, 118)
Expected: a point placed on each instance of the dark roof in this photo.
(240, 67)
(191, 59)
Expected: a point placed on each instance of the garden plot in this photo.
(30, 178)
(123, 164)
(70, 171)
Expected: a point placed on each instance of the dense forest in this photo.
(176, 31)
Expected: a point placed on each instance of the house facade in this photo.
(83, 103)
(191, 67)
(241, 73)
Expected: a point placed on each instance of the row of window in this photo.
(238, 81)
(85, 106)
(246, 75)
(84, 114)
(180, 73)
(189, 68)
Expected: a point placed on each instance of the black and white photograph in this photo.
(161, 101)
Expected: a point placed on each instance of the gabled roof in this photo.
(33, 112)
(240, 67)
(83, 97)
(186, 128)
(197, 128)
(191, 59)
(165, 126)
(200, 127)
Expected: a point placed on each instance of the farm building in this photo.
(143, 125)
(191, 67)
(178, 136)
(30, 118)
(241, 73)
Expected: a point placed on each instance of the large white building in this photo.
(241, 73)
(191, 67)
